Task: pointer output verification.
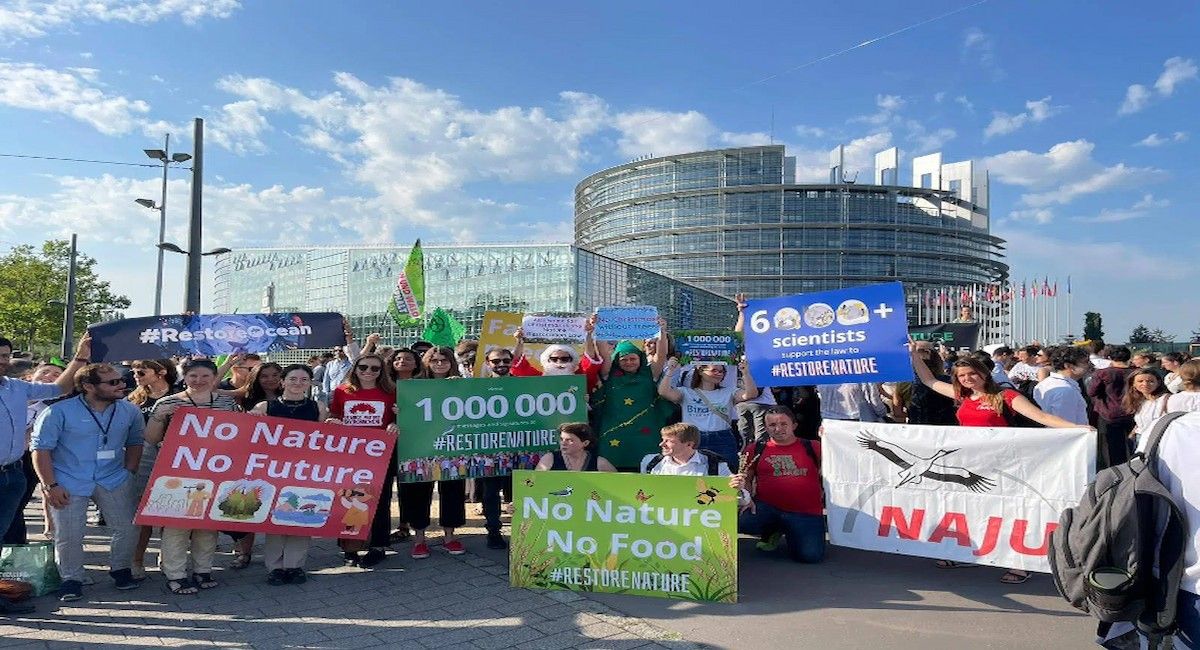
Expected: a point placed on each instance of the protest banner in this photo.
(626, 323)
(497, 331)
(966, 494)
(664, 536)
(956, 336)
(482, 427)
(218, 470)
(159, 337)
(698, 346)
(832, 337)
(554, 328)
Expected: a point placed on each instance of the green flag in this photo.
(443, 329)
(408, 298)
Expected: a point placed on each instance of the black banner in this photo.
(158, 337)
(957, 336)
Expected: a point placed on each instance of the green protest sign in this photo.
(472, 428)
(700, 346)
(664, 536)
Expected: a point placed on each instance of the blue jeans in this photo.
(724, 443)
(12, 492)
(1187, 617)
(805, 533)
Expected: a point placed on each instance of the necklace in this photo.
(291, 405)
(188, 395)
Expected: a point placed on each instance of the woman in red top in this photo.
(368, 399)
(983, 403)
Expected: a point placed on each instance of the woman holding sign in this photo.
(200, 377)
(368, 399)
(284, 555)
(627, 408)
(417, 498)
(709, 403)
(983, 403)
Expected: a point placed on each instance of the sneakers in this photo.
(455, 547)
(277, 577)
(296, 576)
(495, 541)
(124, 579)
(420, 551)
(71, 590)
(373, 557)
(770, 544)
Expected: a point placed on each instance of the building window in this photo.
(927, 181)
(956, 187)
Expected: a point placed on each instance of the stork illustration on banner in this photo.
(914, 468)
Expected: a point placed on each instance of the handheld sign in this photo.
(832, 337)
(256, 474)
(497, 332)
(553, 328)
(476, 428)
(626, 323)
(664, 536)
(159, 337)
(700, 346)
(956, 336)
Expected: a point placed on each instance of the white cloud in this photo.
(888, 105)
(965, 103)
(805, 131)
(1064, 173)
(1035, 111)
(1176, 70)
(978, 46)
(924, 141)
(1123, 260)
(1148, 202)
(939, 96)
(1152, 140)
(660, 133)
(23, 19)
(73, 92)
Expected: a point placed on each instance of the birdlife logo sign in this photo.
(979, 495)
(257, 474)
(832, 337)
(664, 536)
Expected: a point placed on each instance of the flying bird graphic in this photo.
(914, 469)
(565, 492)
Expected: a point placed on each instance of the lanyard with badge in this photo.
(102, 453)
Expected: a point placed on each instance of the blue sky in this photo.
(376, 122)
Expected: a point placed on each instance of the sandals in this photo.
(241, 561)
(204, 580)
(948, 564)
(182, 587)
(1011, 577)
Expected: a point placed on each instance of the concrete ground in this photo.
(853, 600)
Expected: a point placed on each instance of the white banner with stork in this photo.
(969, 494)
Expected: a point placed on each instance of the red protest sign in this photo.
(246, 473)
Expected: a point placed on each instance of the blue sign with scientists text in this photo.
(832, 337)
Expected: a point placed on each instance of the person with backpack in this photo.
(783, 477)
(1129, 553)
(680, 456)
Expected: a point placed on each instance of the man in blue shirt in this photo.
(15, 396)
(86, 448)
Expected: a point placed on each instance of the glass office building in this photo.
(735, 220)
(465, 279)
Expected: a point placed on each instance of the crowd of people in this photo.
(90, 433)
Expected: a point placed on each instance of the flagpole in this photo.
(1070, 314)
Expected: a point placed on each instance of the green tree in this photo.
(1143, 334)
(1093, 326)
(31, 277)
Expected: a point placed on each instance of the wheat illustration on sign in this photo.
(914, 469)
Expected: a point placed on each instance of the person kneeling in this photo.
(784, 476)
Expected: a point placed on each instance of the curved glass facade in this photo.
(733, 221)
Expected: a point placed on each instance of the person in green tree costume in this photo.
(627, 409)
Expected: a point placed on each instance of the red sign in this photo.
(246, 473)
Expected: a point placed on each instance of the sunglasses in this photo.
(562, 359)
(119, 381)
(500, 362)
(143, 371)
(362, 367)
(438, 360)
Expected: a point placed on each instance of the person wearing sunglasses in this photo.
(153, 379)
(87, 448)
(561, 359)
(417, 498)
(367, 398)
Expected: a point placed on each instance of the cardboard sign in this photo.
(857, 334)
(218, 470)
(664, 536)
(160, 337)
(477, 428)
(626, 323)
(554, 328)
(497, 331)
(967, 494)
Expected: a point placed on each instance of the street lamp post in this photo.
(166, 158)
(68, 304)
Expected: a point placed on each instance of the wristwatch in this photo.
(47, 488)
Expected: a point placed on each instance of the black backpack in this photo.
(1118, 555)
(714, 461)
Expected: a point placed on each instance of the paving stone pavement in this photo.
(442, 602)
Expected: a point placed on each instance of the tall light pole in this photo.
(68, 331)
(194, 230)
(166, 158)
